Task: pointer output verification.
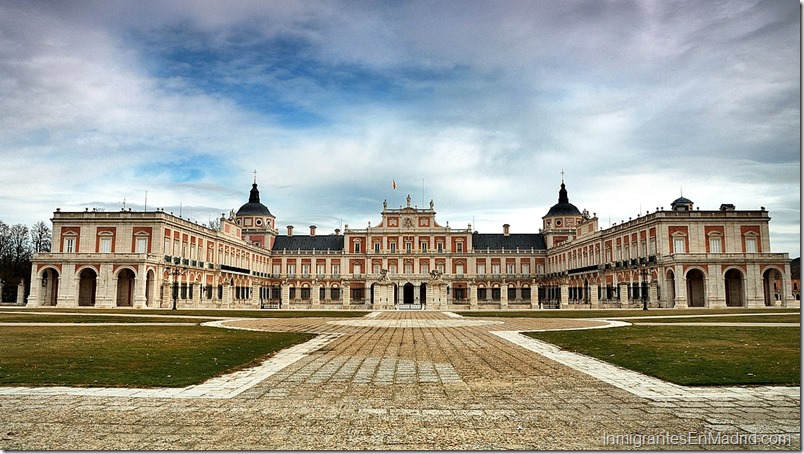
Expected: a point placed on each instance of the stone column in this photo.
(196, 286)
(593, 299)
(139, 289)
(105, 287)
(534, 296)
(472, 295)
(623, 295)
(316, 294)
(21, 292)
(227, 294)
(346, 297)
(504, 295)
(564, 295)
(653, 292)
(33, 298)
(681, 288)
(284, 298)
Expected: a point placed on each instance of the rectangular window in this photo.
(391, 269)
(358, 269)
(377, 248)
(105, 245)
(510, 268)
(424, 247)
(481, 269)
(305, 293)
(357, 294)
(511, 294)
(69, 245)
(320, 270)
(526, 293)
(714, 245)
(495, 269)
(408, 268)
(459, 294)
(277, 269)
(750, 245)
(440, 247)
(408, 248)
(481, 294)
(459, 269)
(357, 247)
(291, 270)
(336, 270)
(393, 247)
(425, 268)
(142, 245)
(335, 293)
(525, 268)
(306, 269)
(459, 247)
(376, 269)
(678, 246)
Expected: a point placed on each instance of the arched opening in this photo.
(671, 289)
(407, 293)
(87, 286)
(50, 287)
(695, 289)
(125, 288)
(734, 288)
(772, 286)
(423, 294)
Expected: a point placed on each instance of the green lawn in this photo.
(18, 317)
(791, 318)
(131, 356)
(617, 313)
(211, 313)
(693, 355)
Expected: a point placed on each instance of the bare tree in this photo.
(40, 237)
(215, 224)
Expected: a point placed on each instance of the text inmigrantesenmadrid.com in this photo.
(697, 438)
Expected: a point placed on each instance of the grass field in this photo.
(211, 313)
(693, 355)
(17, 317)
(763, 318)
(618, 313)
(131, 356)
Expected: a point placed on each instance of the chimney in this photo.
(337, 231)
(290, 230)
(312, 230)
(505, 229)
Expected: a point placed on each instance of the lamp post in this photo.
(175, 271)
(644, 272)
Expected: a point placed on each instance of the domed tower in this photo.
(559, 223)
(681, 204)
(256, 221)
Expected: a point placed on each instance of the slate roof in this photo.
(254, 207)
(496, 241)
(308, 243)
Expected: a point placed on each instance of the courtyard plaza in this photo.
(403, 380)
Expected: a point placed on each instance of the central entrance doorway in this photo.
(409, 300)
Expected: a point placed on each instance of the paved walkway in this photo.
(410, 380)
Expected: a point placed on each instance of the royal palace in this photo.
(677, 258)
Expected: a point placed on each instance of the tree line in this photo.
(18, 244)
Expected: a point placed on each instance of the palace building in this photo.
(677, 258)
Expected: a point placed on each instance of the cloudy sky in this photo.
(478, 105)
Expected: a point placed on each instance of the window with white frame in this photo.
(377, 247)
(320, 269)
(679, 246)
(481, 268)
(440, 247)
(291, 269)
(357, 247)
(750, 244)
(495, 269)
(336, 269)
(459, 269)
(424, 268)
(408, 247)
(526, 268)
(715, 244)
(510, 268)
(392, 246)
(142, 245)
(408, 268)
(306, 269)
(105, 245)
(459, 246)
(69, 244)
(376, 268)
(277, 269)
(424, 247)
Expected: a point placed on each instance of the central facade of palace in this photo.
(682, 257)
